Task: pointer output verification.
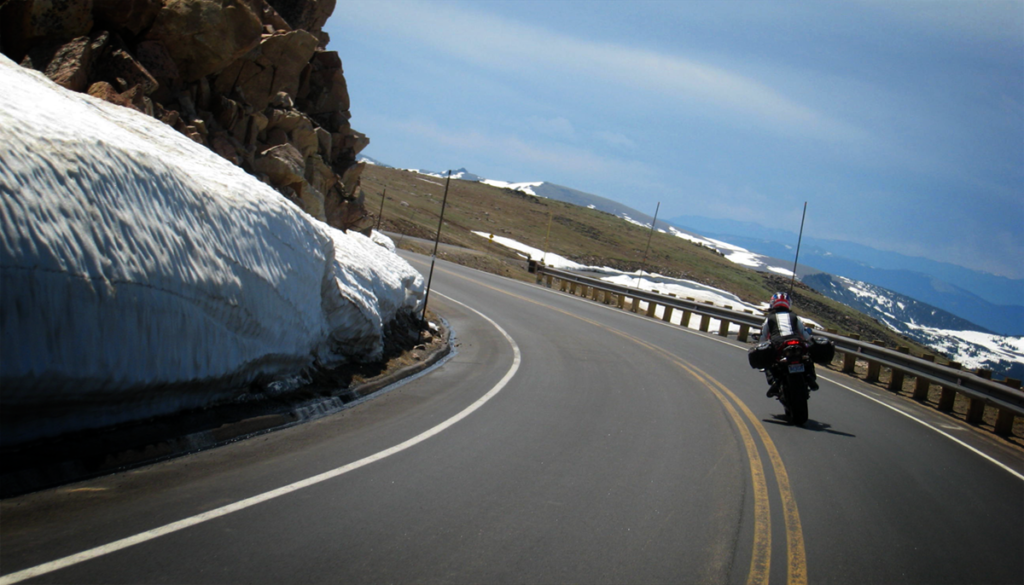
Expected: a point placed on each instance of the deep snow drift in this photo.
(142, 274)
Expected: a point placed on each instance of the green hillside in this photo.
(587, 236)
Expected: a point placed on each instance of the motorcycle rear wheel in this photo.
(797, 410)
(795, 393)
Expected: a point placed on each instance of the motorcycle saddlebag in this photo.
(822, 350)
(761, 355)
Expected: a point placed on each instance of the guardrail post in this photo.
(563, 285)
(896, 381)
(620, 300)
(874, 368)
(976, 406)
(651, 306)
(667, 317)
(705, 320)
(1004, 421)
(850, 358)
(572, 287)
(948, 396)
(922, 385)
(593, 293)
(723, 326)
(549, 279)
(744, 333)
(635, 307)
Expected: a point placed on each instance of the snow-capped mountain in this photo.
(994, 302)
(371, 161)
(959, 339)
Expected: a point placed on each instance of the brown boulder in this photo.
(304, 138)
(249, 79)
(106, 92)
(257, 124)
(344, 213)
(227, 113)
(283, 164)
(273, 19)
(305, 14)
(319, 175)
(324, 138)
(204, 36)
(222, 145)
(287, 120)
(119, 66)
(276, 137)
(346, 145)
(288, 53)
(132, 16)
(69, 67)
(328, 93)
(311, 200)
(25, 24)
(156, 59)
(275, 66)
(350, 179)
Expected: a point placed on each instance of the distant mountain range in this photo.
(973, 320)
(962, 340)
(993, 302)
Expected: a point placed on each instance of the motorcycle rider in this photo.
(782, 323)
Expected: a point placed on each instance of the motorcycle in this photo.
(789, 361)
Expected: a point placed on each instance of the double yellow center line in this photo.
(760, 562)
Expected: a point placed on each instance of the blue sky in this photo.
(900, 123)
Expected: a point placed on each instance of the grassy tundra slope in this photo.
(588, 236)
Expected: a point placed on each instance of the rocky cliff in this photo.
(250, 79)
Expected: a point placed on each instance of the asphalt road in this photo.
(565, 441)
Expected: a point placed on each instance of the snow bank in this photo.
(143, 275)
(530, 253)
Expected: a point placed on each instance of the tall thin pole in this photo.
(437, 239)
(546, 238)
(380, 214)
(643, 265)
(798, 241)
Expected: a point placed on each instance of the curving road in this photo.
(565, 441)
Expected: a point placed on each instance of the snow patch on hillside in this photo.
(916, 320)
(522, 187)
(681, 288)
(144, 275)
(973, 349)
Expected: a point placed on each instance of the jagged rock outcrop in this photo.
(250, 79)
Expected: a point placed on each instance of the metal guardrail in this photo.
(1007, 398)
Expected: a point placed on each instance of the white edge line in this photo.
(906, 414)
(889, 406)
(939, 431)
(258, 499)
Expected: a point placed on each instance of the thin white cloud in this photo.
(541, 156)
(495, 43)
(615, 139)
(553, 127)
